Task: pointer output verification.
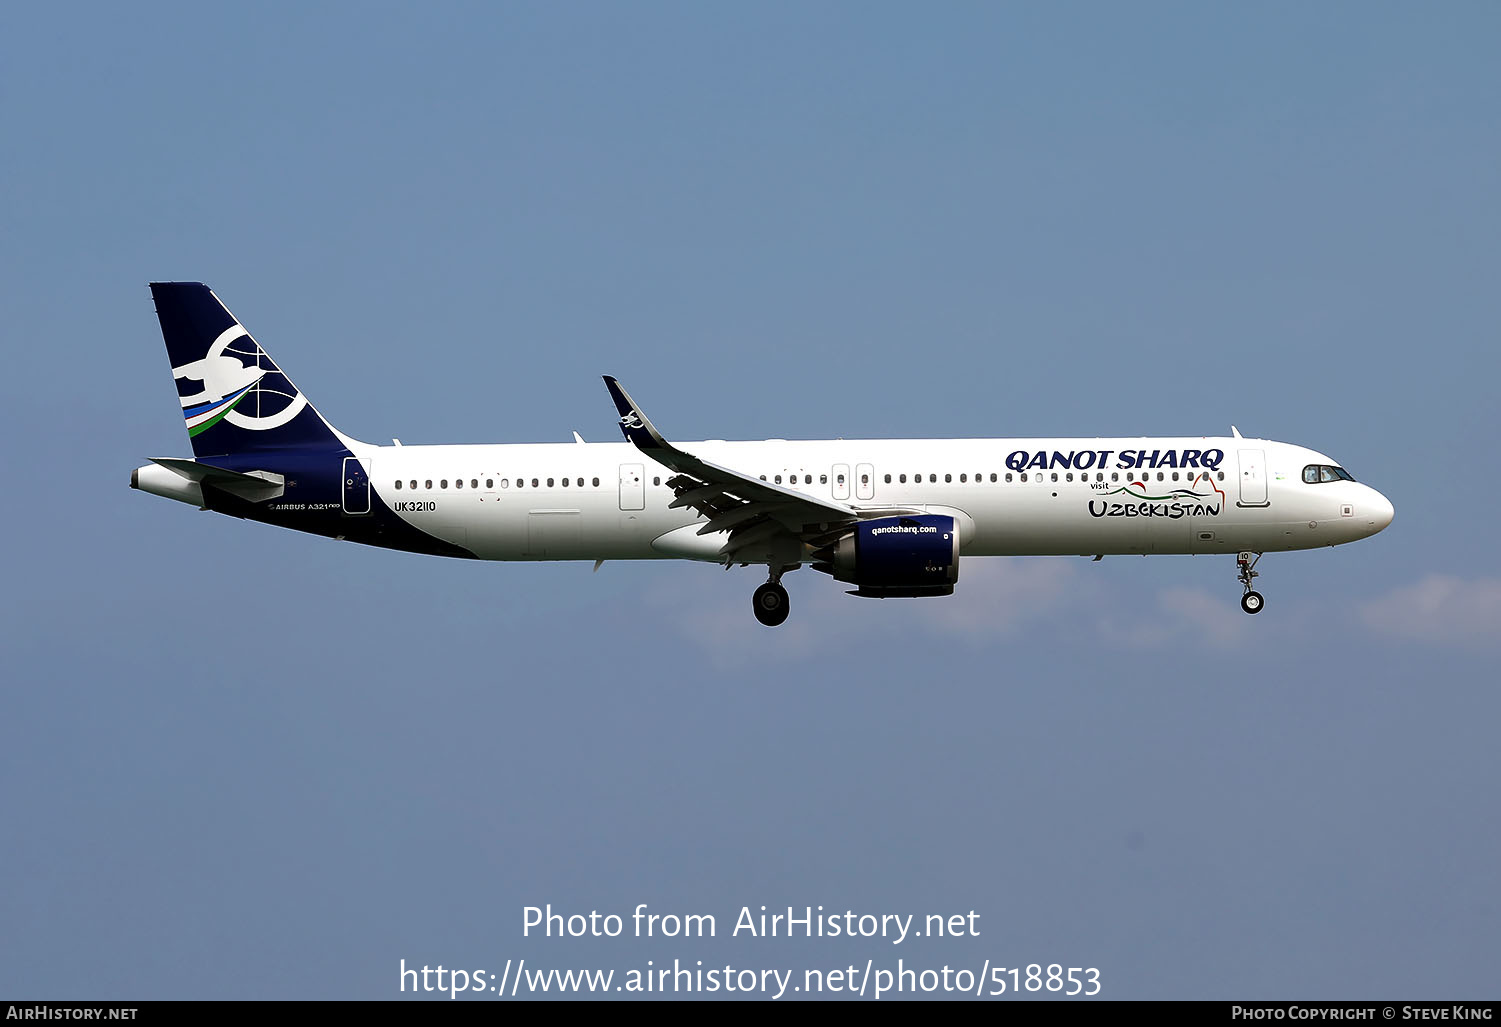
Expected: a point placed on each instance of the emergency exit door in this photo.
(841, 482)
(633, 486)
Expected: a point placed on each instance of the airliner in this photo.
(890, 517)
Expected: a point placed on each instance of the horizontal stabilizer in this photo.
(251, 485)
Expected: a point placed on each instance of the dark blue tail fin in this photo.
(234, 397)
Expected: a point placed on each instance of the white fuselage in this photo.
(608, 501)
(892, 517)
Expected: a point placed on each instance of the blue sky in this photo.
(243, 763)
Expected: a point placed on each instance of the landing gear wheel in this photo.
(1245, 570)
(770, 604)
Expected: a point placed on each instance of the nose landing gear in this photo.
(1245, 564)
(770, 601)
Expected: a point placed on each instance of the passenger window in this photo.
(414, 483)
(398, 484)
(1159, 475)
(1115, 475)
(656, 481)
(992, 476)
(1069, 476)
(864, 479)
(505, 483)
(534, 483)
(429, 483)
(1008, 476)
(839, 479)
(1055, 475)
(596, 483)
(1175, 475)
(458, 483)
(1220, 475)
(1024, 476)
(902, 478)
(963, 478)
(823, 479)
(778, 479)
(808, 479)
(489, 483)
(888, 479)
(549, 483)
(443, 483)
(933, 479)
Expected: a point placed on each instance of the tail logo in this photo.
(254, 395)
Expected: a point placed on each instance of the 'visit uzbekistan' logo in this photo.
(1176, 502)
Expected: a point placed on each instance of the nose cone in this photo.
(1379, 511)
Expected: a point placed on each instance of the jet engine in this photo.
(896, 557)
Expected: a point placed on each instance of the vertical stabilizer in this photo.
(234, 397)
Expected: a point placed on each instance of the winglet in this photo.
(634, 425)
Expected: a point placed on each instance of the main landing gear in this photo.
(770, 601)
(1245, 564)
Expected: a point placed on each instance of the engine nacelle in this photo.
(897, 557)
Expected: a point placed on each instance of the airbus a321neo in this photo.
(890, 517)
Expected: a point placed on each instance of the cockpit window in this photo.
(1316, 474)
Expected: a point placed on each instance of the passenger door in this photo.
(1252, 477)
(356, 487)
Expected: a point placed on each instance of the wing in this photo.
(765, 522)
